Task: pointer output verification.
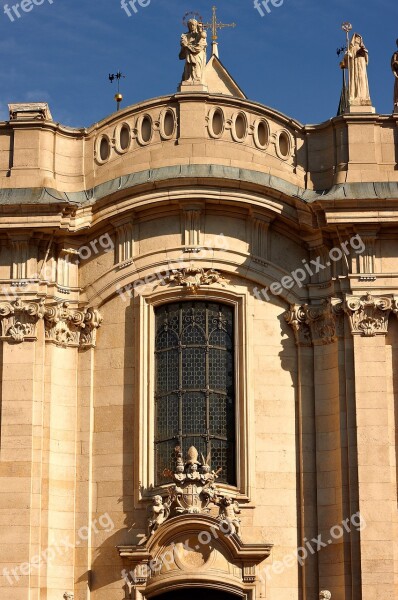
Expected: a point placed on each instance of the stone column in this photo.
(21, 447)
(375, 439)
(67, 330)
(320, 321)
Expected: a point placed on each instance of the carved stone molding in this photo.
(369, 314)
(193, 277)
(75, 328)
(316, 324)
(19, 319)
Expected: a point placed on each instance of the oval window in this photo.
(218, 122)
(262, 134)
(168, 124)
(146, 129)
(239, 129)
(105, 149)
(284, 144)
(125, 137)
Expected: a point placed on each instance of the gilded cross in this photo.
(215, 26)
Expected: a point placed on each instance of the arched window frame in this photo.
(144, 413)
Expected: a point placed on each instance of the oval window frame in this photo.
(163, 115)
(98, 142)
(256, 137)
(140, 121)
(235, 136)
(212, 113)
(118, 137)
(279, 153)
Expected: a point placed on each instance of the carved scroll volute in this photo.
(369, 314)
(296, 318)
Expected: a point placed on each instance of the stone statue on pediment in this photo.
(356, 60)
(394, 67)
(193, 51)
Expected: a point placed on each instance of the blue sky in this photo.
(62, 53)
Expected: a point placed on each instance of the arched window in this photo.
(194, 385)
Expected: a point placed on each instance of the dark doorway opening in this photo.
(197, 594)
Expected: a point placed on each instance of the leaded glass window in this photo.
(194, 387)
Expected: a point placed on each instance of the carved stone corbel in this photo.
(19, 319)
(74, 328)
(369, 314)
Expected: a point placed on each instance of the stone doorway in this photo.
(197, 594)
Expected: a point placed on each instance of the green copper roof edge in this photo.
(387, 190)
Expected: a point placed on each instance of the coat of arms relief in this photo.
(193, 491)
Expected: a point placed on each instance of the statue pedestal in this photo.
(192, 87)
(360, 108)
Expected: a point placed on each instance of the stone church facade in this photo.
(199, 272)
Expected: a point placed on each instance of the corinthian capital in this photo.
(19, 319)
(316, 323)
(369, 314)
(66, 326)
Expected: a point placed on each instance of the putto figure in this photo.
(394, 67)
(193, 51)
(159, 513)
(356, 61)
(325, 595)
(229, 509)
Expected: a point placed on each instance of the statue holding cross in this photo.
(194, 45)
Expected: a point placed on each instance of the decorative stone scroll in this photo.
(316, 324)
(193, 277)
(19, 319)
(66, 326)
(369, 314)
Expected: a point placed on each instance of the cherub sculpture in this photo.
(159, 513)
(229, 509)
(325, 595)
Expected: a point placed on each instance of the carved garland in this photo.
(193, 277)
(63, 326)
